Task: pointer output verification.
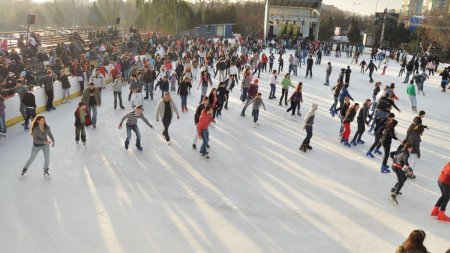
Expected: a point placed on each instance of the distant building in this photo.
(412, 7)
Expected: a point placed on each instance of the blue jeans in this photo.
(35, 150)
(205, 139)
(333, 106)
(3, 124)
(93, 114)
(255, 115)
(244, 94)
(183, 101)
(135, 129)
(272, 90)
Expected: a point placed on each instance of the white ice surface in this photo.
(257, 193)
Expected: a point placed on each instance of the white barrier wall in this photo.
(12, 104)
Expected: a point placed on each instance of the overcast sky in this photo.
(365, 7)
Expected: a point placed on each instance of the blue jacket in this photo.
(344, 93)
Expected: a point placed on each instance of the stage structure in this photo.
(292, 18)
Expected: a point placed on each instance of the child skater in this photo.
(308, 126)
(257, 103)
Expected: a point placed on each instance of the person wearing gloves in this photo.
(308, 126)
(400, 161)
(131, 124)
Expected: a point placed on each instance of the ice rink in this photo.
(256, 193)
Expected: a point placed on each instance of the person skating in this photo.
(308, 126)
(285, 83)
(295, 99)
(29, 101)
(40, 132)
(163, 84)
(131, 124)
(348, 119)
(164, 110)
(400, 162)
(273, 84)
(229, 85)
(363, 65)
(82, 120)
(202, 130)
(348, 71)
(445, 76)
(205, 79)
(252, 92)
(444, 185)
(371, 67)
(91, 97)
(363, 119)
(416, 122)
(328, 73)
(386, 141)
(257, 103)
(380, 125)
(197, 114)
(118, 84)
(342, 95)
(183, 91)
(3, 128)
(414, 139)
(337, 90)
(309, 64)
(420, 80)
(411, 91)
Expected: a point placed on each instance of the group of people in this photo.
(236, 65)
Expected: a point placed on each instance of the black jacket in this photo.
(183, 88)
(364, 114)
(29, 100)
(350, 116)
(198, 112)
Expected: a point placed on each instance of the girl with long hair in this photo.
(40, 132)
(348, 119)
(414, 243)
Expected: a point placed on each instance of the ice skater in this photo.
(308, 126)
(363, 119)
(257, 103)
(40, 132)
(164, 110)
(400, 162)
(444, 185)
(386, 141)
(82, 120)
(197, 114)
(202, 129)
(131, 124)
(348, 119)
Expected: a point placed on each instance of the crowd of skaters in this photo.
(175, 66)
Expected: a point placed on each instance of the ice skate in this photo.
(46, 172)
(442, 217)
(435, 211)
(24, 171)
(394, 199)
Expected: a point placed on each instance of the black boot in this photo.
(24, 171)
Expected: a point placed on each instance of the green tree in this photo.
(326, 29)
(354, 34)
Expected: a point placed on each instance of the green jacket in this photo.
(411, 90)
(286, 83)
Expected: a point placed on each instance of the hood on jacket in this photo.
(314, 107)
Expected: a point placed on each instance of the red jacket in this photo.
(203, 122)
(264, 58)
(444, 177)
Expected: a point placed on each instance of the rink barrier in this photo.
(13, 115)
(12, 104)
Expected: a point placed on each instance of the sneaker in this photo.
(435, 211)
(442, 217)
